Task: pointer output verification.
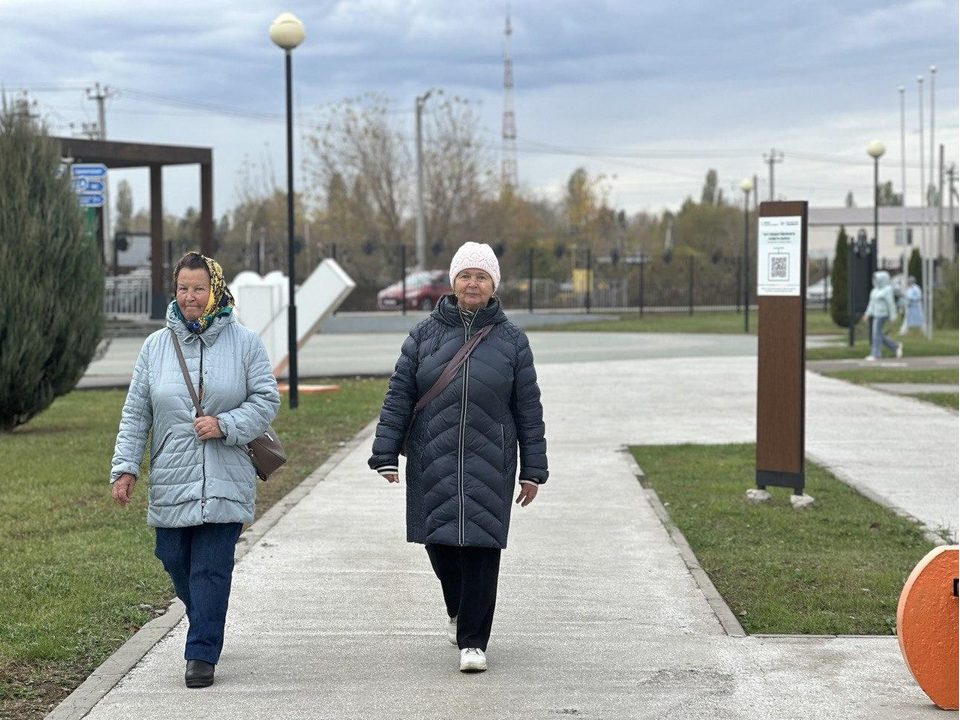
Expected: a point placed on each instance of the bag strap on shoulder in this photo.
(452, 368)
(186, 373)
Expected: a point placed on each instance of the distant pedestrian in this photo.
(882, 308)
(912, 303)
(461, 444)
(202, 481)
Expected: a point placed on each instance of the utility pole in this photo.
(775, 156)
(905, 247)
(100, 96)
(421, 222)
(924, 251)
(952, 178)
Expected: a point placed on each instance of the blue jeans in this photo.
(879, 337)
(199, 560)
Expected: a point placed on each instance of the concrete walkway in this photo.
(333, 615)
(345, 354)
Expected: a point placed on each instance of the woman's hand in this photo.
(123, 489)
(528, 491)
(207, 427)
(392, 477)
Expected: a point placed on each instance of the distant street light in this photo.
(421, 222)
(287, 32)
(747, 186)
(876, 149)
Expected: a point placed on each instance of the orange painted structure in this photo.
(927, 618)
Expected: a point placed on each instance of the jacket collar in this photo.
(448, 313)
(208, 336)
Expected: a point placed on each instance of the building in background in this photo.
(825, 223)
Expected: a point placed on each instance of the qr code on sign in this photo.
(779, 267)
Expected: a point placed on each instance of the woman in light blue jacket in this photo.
(202, 480)
(882, 307)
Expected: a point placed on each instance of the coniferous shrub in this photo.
(839, 277)
(946, 299)
(915, 265)
(51, 278)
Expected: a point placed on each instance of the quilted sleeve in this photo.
(397, 409)
(136, 419)
(528, 415)
(248, 421)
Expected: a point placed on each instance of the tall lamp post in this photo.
(421, 222)
(747, 186)
(287, 32)
(876, 149)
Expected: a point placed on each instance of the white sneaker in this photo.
(451, 628)
(899, 351)
(870, 358)
(472, 660)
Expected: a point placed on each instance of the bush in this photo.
(839, 277)
(946, 299)
(915, 265)
(51, 278)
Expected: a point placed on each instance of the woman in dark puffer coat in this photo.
(462, 447)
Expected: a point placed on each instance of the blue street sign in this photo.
(93, 186)
(88, 170)
(90, 200)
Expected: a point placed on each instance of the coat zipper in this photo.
(463, 423)
(203, 449)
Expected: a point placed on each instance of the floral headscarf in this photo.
(219, 303)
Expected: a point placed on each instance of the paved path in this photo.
(333, 615)
(342, 354)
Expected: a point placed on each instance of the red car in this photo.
(424, 290)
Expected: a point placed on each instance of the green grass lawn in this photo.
(869, 376)
(75, 569)
(944, 342)
(818, 323)
(947, 400)
(837, 568)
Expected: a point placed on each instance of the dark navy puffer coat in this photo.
(462, 451)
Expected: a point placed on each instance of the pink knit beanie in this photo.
(479, 256)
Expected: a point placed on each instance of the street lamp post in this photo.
(287, 32)
(421, 221)
(747, 186)
(876, 149)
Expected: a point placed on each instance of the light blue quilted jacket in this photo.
(192, 481)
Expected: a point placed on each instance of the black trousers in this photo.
(468, 576)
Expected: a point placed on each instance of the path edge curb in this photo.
(728, 621)
(106, 676)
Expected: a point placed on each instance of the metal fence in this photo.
(127, 296)
(584, 281)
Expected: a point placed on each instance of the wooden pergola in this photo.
(130, 155)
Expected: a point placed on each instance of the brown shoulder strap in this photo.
(186, 373)
(452, 368)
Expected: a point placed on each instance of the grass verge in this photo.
(728, 323)
(77, 574)
(869, 376)
(947, 400)
(835, 569)
(944, 342)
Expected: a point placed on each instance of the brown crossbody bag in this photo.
(266, 452)
(449, 372)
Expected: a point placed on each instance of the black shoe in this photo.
(199, 674)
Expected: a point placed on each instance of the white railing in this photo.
(127, 296)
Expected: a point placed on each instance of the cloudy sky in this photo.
(650, 93)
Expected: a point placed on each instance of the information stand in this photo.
(781, 296)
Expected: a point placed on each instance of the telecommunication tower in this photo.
(508, 162)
